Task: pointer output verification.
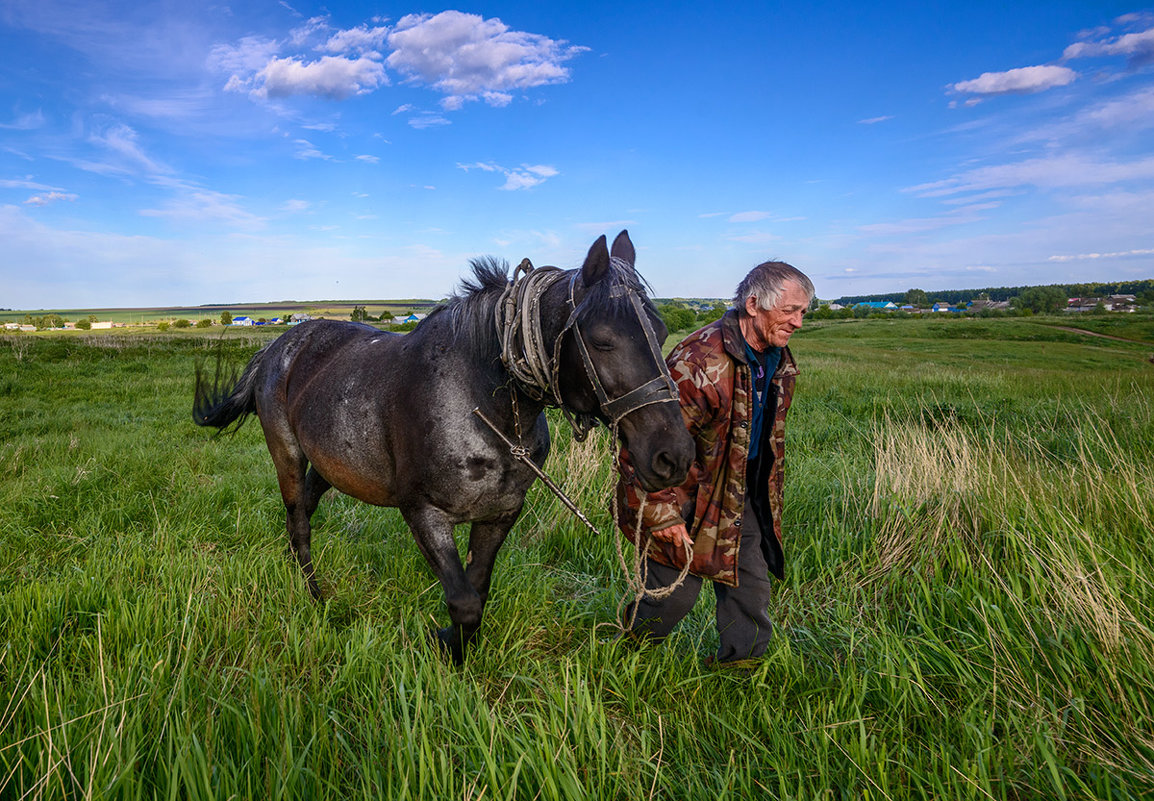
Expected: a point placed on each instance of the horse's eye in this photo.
(602, 345)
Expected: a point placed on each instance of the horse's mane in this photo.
(470, 311)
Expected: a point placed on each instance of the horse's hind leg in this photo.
(299, 524)
(301, 488)
(433, 532)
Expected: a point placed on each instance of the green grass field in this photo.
(966, 612)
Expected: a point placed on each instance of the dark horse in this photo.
(389, 418)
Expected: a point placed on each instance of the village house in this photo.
(1113, 303)
(991, 305)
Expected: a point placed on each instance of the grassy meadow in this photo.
(966, 612)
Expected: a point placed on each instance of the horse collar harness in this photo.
(537, 368)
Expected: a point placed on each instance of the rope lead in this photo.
(635, 574)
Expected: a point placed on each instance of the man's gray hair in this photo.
(766, 282)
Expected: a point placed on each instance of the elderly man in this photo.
(736, 378)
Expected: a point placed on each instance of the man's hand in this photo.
(675, 534)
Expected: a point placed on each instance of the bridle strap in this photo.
(659, 389)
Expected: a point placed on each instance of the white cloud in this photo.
(203, 205)
(300, 35)
(875, 120)
(524, 177)
(368, 159)
(749, 216)
(463, 56)
(331, 77)
(27, 183)
(1046, 172)
(993, 194)
(1138, 46)
(1017, 81)
(1123, 254)
(497, 99)
(1135, 110)
(50, 197)
(306, 150)
(295, 206)
(428, 120)
(467, 57)
(1099, 123)
(122, 143)
(247, 56)
(362, 39)
(923, 224)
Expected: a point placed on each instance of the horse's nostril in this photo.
(665, 466)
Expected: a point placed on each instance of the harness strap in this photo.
(523, 349)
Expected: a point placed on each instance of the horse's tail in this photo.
(215, 404)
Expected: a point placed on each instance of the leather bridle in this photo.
(537, 371)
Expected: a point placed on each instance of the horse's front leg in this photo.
(433, 532)
(485, 540)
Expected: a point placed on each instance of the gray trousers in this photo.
(742, 612)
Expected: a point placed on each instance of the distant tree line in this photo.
(918, 297)
(678, 316)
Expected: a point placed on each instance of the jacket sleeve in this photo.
(699, 404)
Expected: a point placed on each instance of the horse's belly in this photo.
(493, 497)
(369, 483)
(468, 486)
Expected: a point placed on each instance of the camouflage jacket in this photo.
(716, 387)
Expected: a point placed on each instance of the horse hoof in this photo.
(448, 644)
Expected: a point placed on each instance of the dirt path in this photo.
(1096, 334)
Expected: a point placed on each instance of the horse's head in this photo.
(610, 364)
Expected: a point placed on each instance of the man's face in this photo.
(773, 327)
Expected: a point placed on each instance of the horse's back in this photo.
(387, 418)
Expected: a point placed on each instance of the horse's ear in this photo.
(623, 249)
(596, 263)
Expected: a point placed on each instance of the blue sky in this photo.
(167, 153)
